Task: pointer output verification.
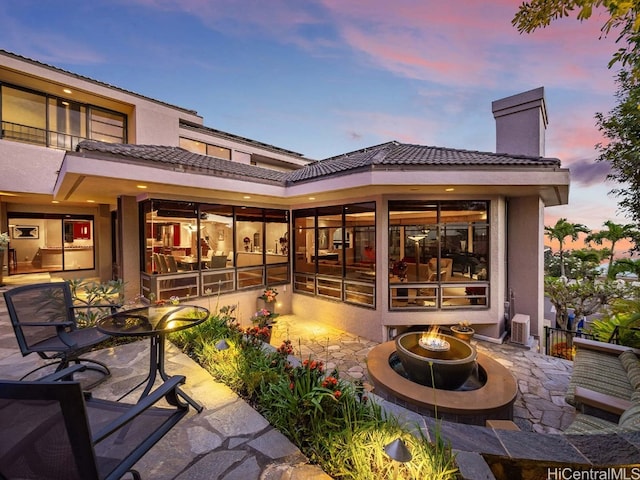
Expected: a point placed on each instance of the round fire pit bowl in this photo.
(451, 368)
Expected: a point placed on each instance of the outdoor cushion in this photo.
(598, 372)
(628, 358)
(588, 425)
(632, 366)
(630, 418)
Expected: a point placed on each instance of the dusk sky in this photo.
(326, 77)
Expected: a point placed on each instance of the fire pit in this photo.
(433, 342)
(436, 360)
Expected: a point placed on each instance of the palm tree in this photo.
(561, 230)
(589, 260)
(613, 233)
(624, 265)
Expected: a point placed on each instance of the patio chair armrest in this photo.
(66, 374)
(167, 389)
(61, 330)
(604, 347)
(47, 324)
(113, 306)
(601, 401)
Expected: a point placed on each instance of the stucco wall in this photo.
(28, 168)
(155, 125)
(525, 258)
(128, 246)
(355, 320)
(104, 262)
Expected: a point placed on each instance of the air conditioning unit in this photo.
(520, 326)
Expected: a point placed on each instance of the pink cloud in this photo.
(470, 43)
(466, 43)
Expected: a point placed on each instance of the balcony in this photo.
(39, 136)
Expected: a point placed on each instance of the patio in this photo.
(229, 436)
(542, 380)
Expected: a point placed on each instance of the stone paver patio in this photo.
(542, 380)
(230, 440)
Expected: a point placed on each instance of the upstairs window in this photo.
(56, 122)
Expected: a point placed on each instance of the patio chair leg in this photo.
(135, 474)
(96, 365)
(40, 368)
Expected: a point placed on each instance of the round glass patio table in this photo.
(154, 322)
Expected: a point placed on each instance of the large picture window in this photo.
(438, 254)
(335, 252)
(51, 242)
(56, 122)
(193, 249)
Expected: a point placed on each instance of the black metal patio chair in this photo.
(44, 322)
(51, 430)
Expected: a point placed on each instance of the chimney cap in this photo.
(521, 102)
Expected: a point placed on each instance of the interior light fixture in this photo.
(312, 198)
(416, 238)
(55, 201)
(67, 90)
(141, 186)
(65, 103)
(246, 197)
(450, 189)
(91, 201)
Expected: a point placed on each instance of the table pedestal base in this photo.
(156, 366)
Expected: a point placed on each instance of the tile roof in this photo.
(177, 158)
(390, 155)
(238, 138)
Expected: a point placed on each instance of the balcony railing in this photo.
(559, 342)
(39, 136)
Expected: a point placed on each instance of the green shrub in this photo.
(96, 298)
(625, 315)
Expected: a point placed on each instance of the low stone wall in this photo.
(485, 453)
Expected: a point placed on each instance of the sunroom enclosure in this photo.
(196, 249)
(335, 253)
(438, 254)
(438, 251)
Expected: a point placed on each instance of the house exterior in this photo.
(98, 181)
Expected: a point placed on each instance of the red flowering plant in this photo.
(263, 318)
(257, 334)
(269, 295)
(307, 400)
(280, 358)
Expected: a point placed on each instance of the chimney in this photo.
(521, 121)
